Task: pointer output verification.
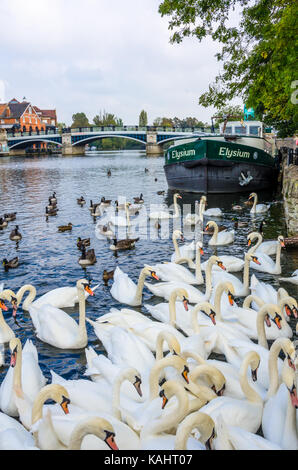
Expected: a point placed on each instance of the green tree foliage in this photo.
(143, 118)
(259, 55)
(177, 122)
(80, 120)
(107, 119)
(233, 113)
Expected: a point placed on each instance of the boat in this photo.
(217, 163)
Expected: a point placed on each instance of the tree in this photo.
(259, 55)
(232, 113)
(60, 126)
(163, 122)
(80, 120)
(107, 119)
(143, 118)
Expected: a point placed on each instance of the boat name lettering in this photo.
(184, 153)
(225, 152)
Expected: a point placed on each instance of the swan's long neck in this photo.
(246, 275)
(262, 340)
(209, 279)
(255, 203)
(116, 394)
(127, 215)
(247, 389)
(200, 421)
(177, 251)
(29, 299)
(140, 287)
(215, 234)
(174, 361)
(194, 315)
(280, 343)
(256, 246)
(278, 254)
(94, 427)
(172, 342)
(82, 335)
(202, 391)
(4, 327)
(252, 298)
(172, 309)
(221, 288)
(198, 272)
(176, 206)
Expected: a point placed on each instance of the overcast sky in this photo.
(96, 55)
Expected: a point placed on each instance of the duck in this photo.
(83, 242)
(51, 212)
(15, 235)
(213, 212)
(125, 290)
(107, 275)
(3, 222)
(146, 170)
(257, 208)
(165, 214)
(55, 327)
(109, 173)
(293, 279)
(87, 258)
(139, 200)
(220, 238)
(13, 263)
(105, 202)
(53, 198)
(10, 217)
(238, 223)
(125, 244)
(65, 228)
(81, 201)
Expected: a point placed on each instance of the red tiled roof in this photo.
(49, 113)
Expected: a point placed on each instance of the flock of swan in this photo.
(159, 385)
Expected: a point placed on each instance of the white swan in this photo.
(213, 212)
(164, 289)
(279, 416)
(61, 297)
(257, 208)
(265, 291)
(176, 272)
(267, 264)
(120, 220)
(13, 436)
(166, 215)
(6, 333)
(193, 219)
(55, 327)
(241, 288)
(293, 279)
(220, 238)
(23, 376)
(125, 290)
(247, 413)
(183, 253)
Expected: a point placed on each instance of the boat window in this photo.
(228, 130)
(240, 130)
(254, 130)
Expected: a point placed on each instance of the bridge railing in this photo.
(14, 133)
(75, 130)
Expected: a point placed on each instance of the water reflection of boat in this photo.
(220, 164)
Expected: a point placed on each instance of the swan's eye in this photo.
(255, 260)
(109, 440)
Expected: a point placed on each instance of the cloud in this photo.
(90, 56)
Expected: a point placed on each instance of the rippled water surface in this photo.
(49, 259)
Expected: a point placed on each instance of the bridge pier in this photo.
(3, 142)
(69, 149)
(152, 147)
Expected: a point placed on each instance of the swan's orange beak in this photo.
(164, 399)
(153, 274)
(202, 251)
(231, 298)
(64, 405)
(178, 196)
(185, 303)
(255, 260)
(207, 227)
(13, 358)
(220, 264)
(293, 395)
(3, 306)
(277, 321)
(282, 243)
(212, 316)
(288, 310)
(89, 290)
(109, 440)
(250, 197)
(249, 242)
(185, 374)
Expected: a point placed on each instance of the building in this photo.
(47, 116)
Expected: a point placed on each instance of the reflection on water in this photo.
(49, 259)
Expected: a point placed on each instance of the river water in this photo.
(49, 259)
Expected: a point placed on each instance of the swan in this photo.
(125, 290)
(6, 333)
(213, 212)
(231, 263)
(246, 414)
(220, 238)
(176, 272)
(13, 436)
(166, 215)
(197, 420)
(183, 253)
(105, 230)
(62, 297)
(23, 376)
(267, 264)
(164, 289)
(193, 219)
(268, 247)
(95, 426)
(264, 291)
(293, 279)
(57, 328)
(279, 415)
(119, 220)
(257, 208)
(241, 288)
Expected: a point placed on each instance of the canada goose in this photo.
(51, 205)
(119, 206)
(65, 228)
(93, 206)
(87, 258)
(81, 201)
(125, 244)
(261, 227)
(105, 202)
(51, 212)
(146, 170)
(15, 235)
(10, 217)
(83, 242)
(107, 275)
(13, 263)
(53, 198)
(3, 223)
(139, 200)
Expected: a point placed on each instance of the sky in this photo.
(93, 56)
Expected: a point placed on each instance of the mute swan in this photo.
(293, 279)
(125, 290)
(241, 288)
(164, 289)
(24, 375)
(267, 264)
(220, 238)
(279, 416)
(166, 215)
(176, 272)
(61, 297)
(265, 291)
(246, 414)
(55, 327)
(197, 420)
(6, 333)
(257, 208)
(213, 212)
(183, 253)
(267, 247)
(13, 436)
(231, 263)
(98, 427)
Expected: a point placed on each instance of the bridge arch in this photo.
(93, 138)
(27, 143)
